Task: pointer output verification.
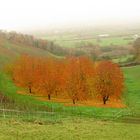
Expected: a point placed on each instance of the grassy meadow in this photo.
(72, 41)
(132, 75)
(68, 128)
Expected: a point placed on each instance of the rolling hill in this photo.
(10, 50)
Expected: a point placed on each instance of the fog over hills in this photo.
(45, 15)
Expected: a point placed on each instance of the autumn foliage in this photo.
(76, 78)
(108, 80)
(77, 72)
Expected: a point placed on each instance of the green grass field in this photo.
(123, 59)
(71, 42)
(132, 76)
(68, 129)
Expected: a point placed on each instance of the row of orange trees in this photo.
(77, 78)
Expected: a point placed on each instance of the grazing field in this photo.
(132, 75)
(122, 59)
(68, 129)
(72, 42)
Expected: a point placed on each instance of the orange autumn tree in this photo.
(86, 73)
(50, 77)
(24, 72)
(109, 80)
(77, 72)
(76, 78)
(59, 77)
(41, 74)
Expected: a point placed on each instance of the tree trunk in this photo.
(104, 101)
(30, 90)
(49, 97)
(73, 101)
(105, 98)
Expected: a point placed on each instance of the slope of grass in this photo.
(26, 102)
(9, 51)
(132, 76)
(18, 101)
(131, 98)
(70, 125)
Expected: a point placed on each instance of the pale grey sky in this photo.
(19, 14)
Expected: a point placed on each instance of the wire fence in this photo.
(11, 113)
(14, 113)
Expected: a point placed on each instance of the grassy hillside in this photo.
(132, 76)
(70, 122)
(9, 51)
(131, 99)
(19, 101)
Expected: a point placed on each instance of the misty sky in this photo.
(20, 14)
